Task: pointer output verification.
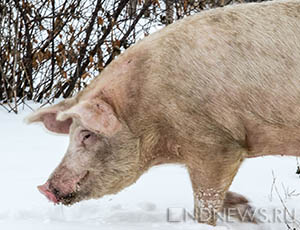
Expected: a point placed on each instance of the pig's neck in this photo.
(157, 148)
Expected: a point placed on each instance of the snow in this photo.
(28, 154)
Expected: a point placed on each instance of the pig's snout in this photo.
(62, 189)
(45, 190)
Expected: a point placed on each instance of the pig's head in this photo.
(102, 157)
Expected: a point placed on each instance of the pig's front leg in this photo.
(211, 180)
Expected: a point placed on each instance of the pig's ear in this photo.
(48, 117)
(95, 115)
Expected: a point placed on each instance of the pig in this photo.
(206, 92)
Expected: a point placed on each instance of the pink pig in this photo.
(207, 92)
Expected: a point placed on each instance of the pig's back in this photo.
(216, 72)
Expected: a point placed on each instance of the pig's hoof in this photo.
(237, 206)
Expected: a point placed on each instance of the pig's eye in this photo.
(86, 137)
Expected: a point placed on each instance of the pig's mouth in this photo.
(68, 199)
(54, 195)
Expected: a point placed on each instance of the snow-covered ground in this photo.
(28, 154)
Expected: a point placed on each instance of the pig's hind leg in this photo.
(237, 206)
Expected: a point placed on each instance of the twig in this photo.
(272, 186)
(295, 221)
